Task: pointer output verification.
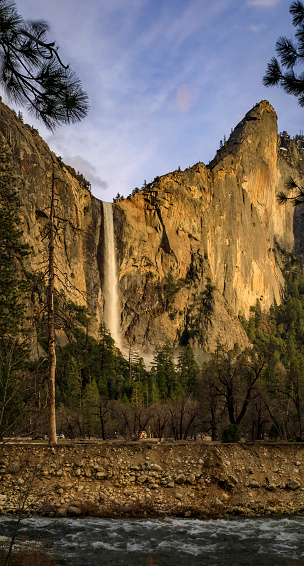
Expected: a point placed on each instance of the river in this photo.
(168, 542)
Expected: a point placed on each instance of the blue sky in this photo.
(166, 80)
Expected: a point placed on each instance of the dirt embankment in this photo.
(187, 479)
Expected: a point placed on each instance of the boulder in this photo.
(142, 479)
(74, 511)
(254, 484)
(181, 478)
(101, 475)
(191, 479)
(293, 485)
(61, 512)
(156, 467)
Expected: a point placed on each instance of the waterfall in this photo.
(110, 286)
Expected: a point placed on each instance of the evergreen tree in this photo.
(163, 371)
(187, 371)
(90, 407)
(103, 365)
(13, 292)
(278, 336)
(12, 249)
(74, 321)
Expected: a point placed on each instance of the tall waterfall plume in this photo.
(110, 285)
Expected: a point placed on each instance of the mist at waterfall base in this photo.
(167, 542)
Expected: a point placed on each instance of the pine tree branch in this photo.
(34, 74)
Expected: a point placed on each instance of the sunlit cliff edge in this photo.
(195, 248)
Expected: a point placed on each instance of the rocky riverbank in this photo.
(182, 479)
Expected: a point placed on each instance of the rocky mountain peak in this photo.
(195, 248)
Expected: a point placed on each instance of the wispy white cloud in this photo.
(165, 80)
(256, 28)
(263, 3)
(87, 169)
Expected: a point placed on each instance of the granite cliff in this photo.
(195, 248)
(198, 247)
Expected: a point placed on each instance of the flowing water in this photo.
(168, 542)
(110, 287)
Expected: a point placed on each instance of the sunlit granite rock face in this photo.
(195, 248)
(218, 224)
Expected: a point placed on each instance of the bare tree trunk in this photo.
(51, 325)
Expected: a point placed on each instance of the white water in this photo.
(110, 287)
(170, 542)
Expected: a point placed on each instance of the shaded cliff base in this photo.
(138, 479)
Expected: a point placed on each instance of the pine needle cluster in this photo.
(281, 71)
(33, 74)
(296, 191)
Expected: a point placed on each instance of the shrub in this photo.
(26, 557)
(231, 433)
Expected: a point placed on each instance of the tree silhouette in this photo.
(294, 187)
(282, 73)
(33, 74)
(291, 53)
